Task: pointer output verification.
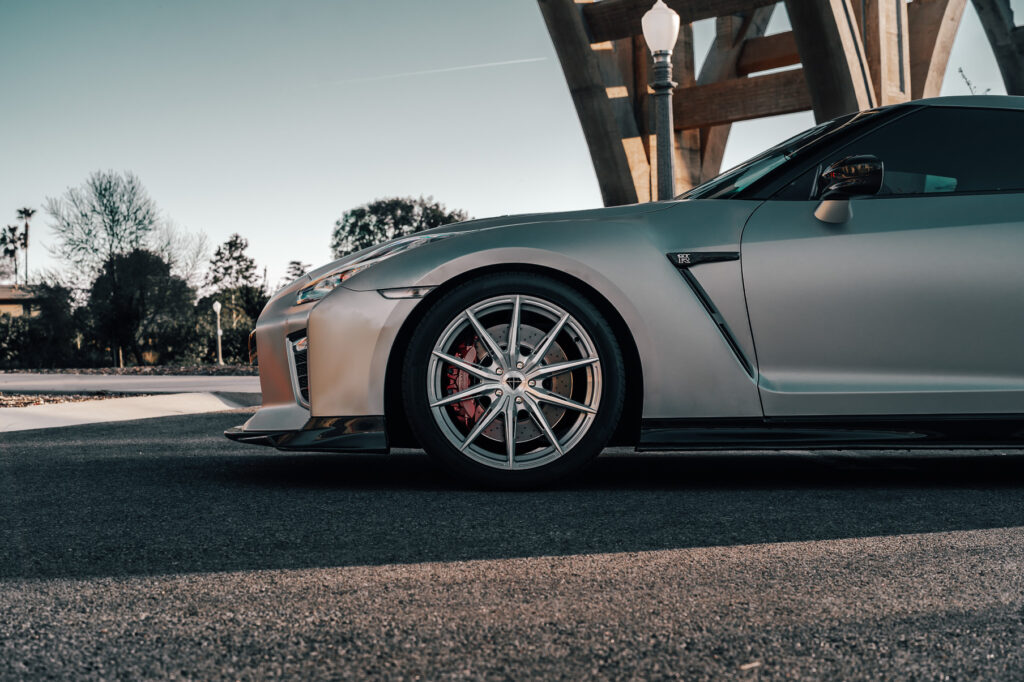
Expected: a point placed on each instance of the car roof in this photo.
(973, 101)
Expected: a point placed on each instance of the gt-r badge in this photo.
(686, 260)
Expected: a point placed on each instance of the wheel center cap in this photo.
(513, 380)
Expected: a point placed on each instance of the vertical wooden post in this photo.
(884, 31)
(589, 94)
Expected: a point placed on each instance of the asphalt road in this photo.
(159, 549)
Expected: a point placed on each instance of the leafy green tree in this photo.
(53, 332)
(233, 279)
(137, 306)
(385, 219)
(230, 266)
(296, 269)
(110, 214)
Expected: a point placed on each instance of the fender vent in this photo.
(716, 316)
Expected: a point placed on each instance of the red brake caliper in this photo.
(466, 411)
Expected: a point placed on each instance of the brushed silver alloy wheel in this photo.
(514, 382)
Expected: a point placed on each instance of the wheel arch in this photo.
(628, 430)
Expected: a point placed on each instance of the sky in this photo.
(270, 119)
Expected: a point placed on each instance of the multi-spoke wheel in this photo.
(514, 379)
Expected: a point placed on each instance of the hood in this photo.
(612, 213)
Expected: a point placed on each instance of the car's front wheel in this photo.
(513, 379)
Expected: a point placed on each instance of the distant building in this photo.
(16, 301)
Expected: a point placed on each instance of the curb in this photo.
(120, 409)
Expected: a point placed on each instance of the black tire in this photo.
(431, 327)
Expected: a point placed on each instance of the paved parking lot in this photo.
(157, 548)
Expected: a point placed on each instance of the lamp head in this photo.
(661, 27)
(216, 307)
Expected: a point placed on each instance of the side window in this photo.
(939, 150)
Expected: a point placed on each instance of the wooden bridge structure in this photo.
(851, 55)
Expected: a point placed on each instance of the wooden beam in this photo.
(741, 99)
(731, 34)
(832, 55)
(1007, 42)
(615, 19)
(589, 94)
(768, 52)
(933, 25)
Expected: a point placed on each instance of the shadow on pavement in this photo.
(172, 496)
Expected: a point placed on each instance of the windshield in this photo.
(735, 180)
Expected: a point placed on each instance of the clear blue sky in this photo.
(272, 118)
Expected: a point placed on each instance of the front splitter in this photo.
(322, 434)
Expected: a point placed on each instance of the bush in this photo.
(46, 340)
(241, 306)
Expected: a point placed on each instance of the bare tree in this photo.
(186, 252)
(110, 214)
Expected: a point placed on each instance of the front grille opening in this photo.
(299, 346)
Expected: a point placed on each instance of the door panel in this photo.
(913, 306)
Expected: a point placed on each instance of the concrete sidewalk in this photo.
(117, 409)
(93, 383)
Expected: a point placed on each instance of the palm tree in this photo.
(26, 215)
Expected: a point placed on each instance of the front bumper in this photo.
(350, 335)
(319, 360)
(322, 434)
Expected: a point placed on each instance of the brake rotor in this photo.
(467, 412)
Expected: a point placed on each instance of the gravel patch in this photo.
(27, 400)
(179, 370)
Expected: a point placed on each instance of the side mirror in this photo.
(849, 177)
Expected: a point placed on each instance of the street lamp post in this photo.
(220, 356)
(661, 29)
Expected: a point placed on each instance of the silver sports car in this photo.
(859, 285)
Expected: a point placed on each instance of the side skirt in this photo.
(834, 433)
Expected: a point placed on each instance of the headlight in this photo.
(327, 283)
